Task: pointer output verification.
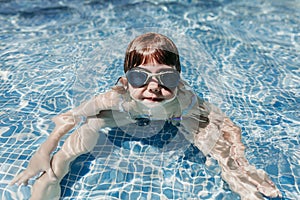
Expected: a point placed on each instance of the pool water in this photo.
(242, 56)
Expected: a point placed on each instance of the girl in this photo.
(151, 90)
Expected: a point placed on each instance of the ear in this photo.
(181, 84)
(124, 82)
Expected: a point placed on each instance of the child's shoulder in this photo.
(188, 99)
(109, 99)
(190, 102)
(113, 93)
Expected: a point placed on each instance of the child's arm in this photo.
(40, 161)
(221, 138)
(242, 177)
(213, 133)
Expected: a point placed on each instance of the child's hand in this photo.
(264, 184)
(40, 162)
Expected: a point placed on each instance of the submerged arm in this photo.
(40, 161)
(221, 138)
(242, 177)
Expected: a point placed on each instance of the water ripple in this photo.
(242, 56)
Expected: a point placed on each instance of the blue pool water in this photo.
(242, 56)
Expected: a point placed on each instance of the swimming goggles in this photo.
(139, 77)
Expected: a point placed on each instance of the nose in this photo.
(153, 86)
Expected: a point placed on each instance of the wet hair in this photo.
(151, 47)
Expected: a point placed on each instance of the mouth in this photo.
(154, 99)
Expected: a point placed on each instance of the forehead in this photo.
(154, 68)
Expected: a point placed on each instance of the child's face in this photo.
(152, 92)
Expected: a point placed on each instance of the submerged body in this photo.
(151, 90)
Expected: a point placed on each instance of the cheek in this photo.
(135, 92)
(168, 93)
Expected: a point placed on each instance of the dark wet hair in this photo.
(151, 47)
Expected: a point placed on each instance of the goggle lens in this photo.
(170, 80)
(136, 78)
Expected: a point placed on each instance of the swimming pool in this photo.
(243, 56)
